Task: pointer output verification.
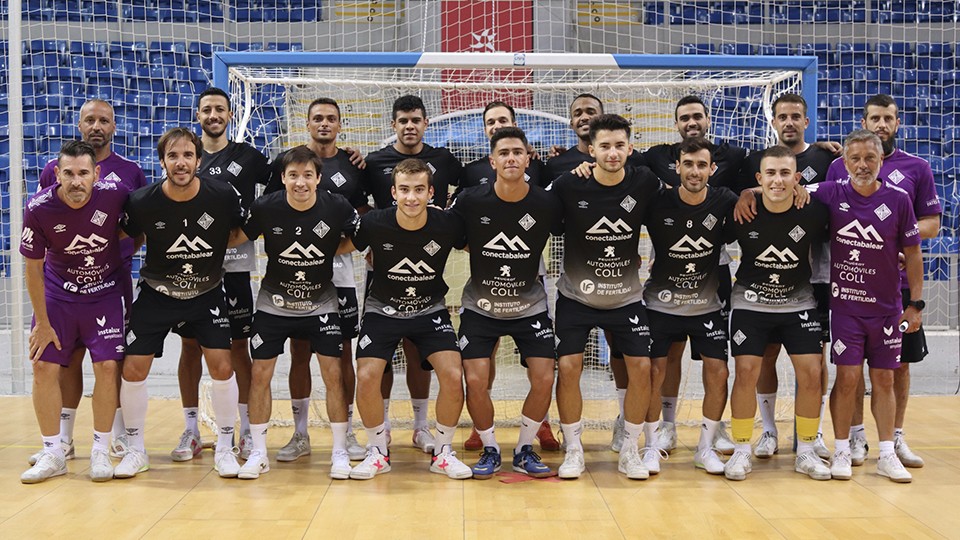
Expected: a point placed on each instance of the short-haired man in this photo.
(187, 224)
(773, 302)
(507, 225)
(410, 244)
(341, 175)
(97, 126)
(243, 167)
(302, 228)
(409, 121)
(913, 175)
(600, 285)
(74, 272)
(871, 223)
(686, 227)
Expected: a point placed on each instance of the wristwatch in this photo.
(917, 304)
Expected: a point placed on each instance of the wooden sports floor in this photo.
(298, 500)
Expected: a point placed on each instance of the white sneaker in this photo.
(69, 452)
(133, 463)
(188, 448)
(907, 457)
(891, 467)
(841, 467)
(246, 446)
(858, 450)
(722, 442)
(446, 462)
(257, 464)
(810, 464)
(226, 464)
(101, 468)
(47, 466)
(298, 447)
(667, 436)
(423, 439)
(709, 460)
(651, 456)
(340, 465)
(375, 463)
(616, 443)
(820, 447)
(631, 464)
(354, 450)
(573, 465)
(767, 446)
(738, 466)
(119, 446)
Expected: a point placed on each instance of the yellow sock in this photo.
(742, 430)
(807, 428)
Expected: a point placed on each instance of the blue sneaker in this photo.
(528, 463)
(488, 465)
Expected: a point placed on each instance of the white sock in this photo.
(621, 396)
(420, 409)
(857, 430)
(244, 418)
(377, 438)
(886, 448)
(742, 447)
(339, 430)
(708, 432)
(649, 433)
(67, 419)
(528, 432)
(190, 417)
(118, 427)
(571, 434)
(489, 438)
(897, 433)
(444, 438)
(258, 432)
(51, 445)
(133, 401)
(631, 433)
(823, 407)
(349, 418)
(804, 447)
(842, 445)
(386, 414)
(668, 406)
(767, 403)
(224, 396)
(301, 414)
(101, 440)
(546, 418)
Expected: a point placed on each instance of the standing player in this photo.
(773, 302)
(507, 224)
(872, 224)
(243, 167)
(410, 245)
(409, 121)
(97, 126)
(302, 227)
(341, 176)
(913, 175)
(187, 223)
(74, 269)
(686, 227)
(600, 285)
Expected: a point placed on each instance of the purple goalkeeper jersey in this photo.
(80, 247)
(867, 236)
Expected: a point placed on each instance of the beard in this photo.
(889, 145)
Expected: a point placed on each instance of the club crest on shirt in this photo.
(432, 248)
(896, 176)
(205, 221)
(338, 179)
(98, 218)
(234, 168)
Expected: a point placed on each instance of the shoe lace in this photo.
(662, 454)
(487, 457)
(530, 455)
(185, 439)
(842, 458)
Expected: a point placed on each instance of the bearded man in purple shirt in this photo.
(871, 224)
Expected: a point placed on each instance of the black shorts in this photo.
(821, 292)
(479, 334)
(627, 326)
(708, 332)
(271, 331)
(913, 347)
(154, 314)
(798, 331)
(724, 290)
(236, 286)
(431, 333)
(349, 312)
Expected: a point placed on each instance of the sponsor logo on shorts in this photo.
(131, 337)
(708, 325)
(364, 341)
(463, 342)
(804, 316)
(888, 330)
(256, 341)
(739, 337)
(101, 321)
(839, 347)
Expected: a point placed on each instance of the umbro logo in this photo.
(59, 228)
(605, 226)
(484, 220)
(583, 205)
(278, 230)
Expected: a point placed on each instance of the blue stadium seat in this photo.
(652, 13)
(895, 11)
(696, 48)
(689, 13)
(771, 49)
(101, 10)
(742, 49)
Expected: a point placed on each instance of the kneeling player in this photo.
(507, 226)
(773, 300)
(302, 228)
(410, 244)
